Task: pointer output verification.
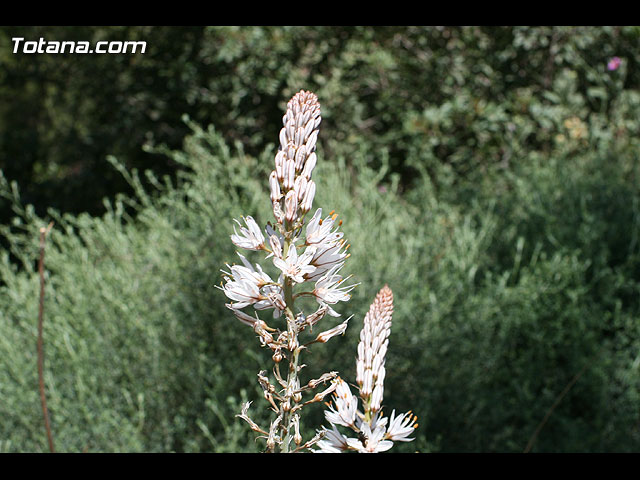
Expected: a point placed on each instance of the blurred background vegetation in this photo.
(489, 175)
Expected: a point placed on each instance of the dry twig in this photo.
(43, 399)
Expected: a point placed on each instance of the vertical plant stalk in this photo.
(292, 375)
(375, 432)
(43, 397)
(313, 273)
(566, 389)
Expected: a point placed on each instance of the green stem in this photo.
(291, 384)
(367, 409)
(293, 360)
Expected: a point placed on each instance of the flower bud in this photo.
(301, 156)
(300, 187)
(280, 157)
(276, 246)
(309, 165)
(311, 142)
(275, 186)
(290, 206)
(289, 174)
(298, 137)
(307, 201)
(283, 138)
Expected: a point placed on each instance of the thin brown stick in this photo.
(553, 407)
(43, 398)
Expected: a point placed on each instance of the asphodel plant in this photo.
(373, 432)
(307, 256)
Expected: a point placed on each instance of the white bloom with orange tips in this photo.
(319, 231)
(401, 427)
(346, 406)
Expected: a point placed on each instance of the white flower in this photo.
(327, 257)
(401, 427)
(279, 161)
(300, 187)
(272, 232)
(319, 231)
(244, 284)
(332, 442)
(328, 290)
(248, 271)
(296, 267)
(250, 238)
(276, 246)
(289, 173)
(371, 438)
(301, 153)
(346, 406)
(274, 298)
(243, 291)
(370, 425)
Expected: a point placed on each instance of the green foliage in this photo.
(133, 323)
(468, 98)
(488, 175)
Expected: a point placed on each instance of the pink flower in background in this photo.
(613, 64)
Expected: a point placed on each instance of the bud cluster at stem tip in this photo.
(292, 189)
(375, 432)
(323, 248)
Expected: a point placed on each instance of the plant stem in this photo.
(291, 384)
(43, 398)
(553, 407)
(295, 352)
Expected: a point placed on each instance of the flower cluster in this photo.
(308, 258)
(311, 254)
(322, 247)
(374, 432)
